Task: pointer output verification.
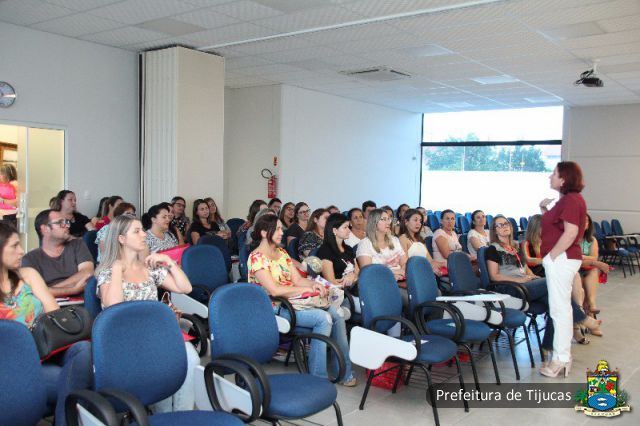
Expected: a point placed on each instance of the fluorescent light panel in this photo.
(496, 79)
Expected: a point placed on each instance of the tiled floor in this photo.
(619, 301)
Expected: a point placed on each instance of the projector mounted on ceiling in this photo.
(377, 74)
(589, 78)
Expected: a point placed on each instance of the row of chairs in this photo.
(616, 247)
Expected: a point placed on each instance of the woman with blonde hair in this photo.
(381, 246)
(531, 246)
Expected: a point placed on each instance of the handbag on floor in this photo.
(62, 327)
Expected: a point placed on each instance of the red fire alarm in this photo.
(275, 161)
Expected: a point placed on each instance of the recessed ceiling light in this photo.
(495, 79)
(543, 99)
(583, 29)
(455, 104)
(428, 50)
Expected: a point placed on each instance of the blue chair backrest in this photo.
(421, 282)
(345, 213)
(138, 348)
(204, 265)
(292, 249)
(468, 216)
(463, 239)
(89, 239)
(461, 272)
(616, 227)
(429, 243)
(24, 399)
(514, 226)
(91, 300)
(433, 222)
(234, 224)
(597, 230)
(438, 214)
(606, 228)
(489, 220)
(464, 224)
(221, 244)
(243, 255)
(379, 295)
(524, 223)
(242, 321)
(482, 264)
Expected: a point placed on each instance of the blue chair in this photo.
(381, 306)
(423, 291)
(463, 224)
(292, 249)
(433, 222)
(514, 226)
(234, 224)
(243, 256)
(438, 214)
(625, 251)
(464, 242)
(243, 326)
(464, 281)
(489, 220)
(122, 334)
(89, 239)
(221, 244)
(524, 223)
(91, 301)
(205, 267)
(429, 243)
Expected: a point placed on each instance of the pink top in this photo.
(7, 192)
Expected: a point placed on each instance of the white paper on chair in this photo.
(370, 349)
(230, 395)
(283, 325)
(85, 418)
(484, 297)
(189, 305)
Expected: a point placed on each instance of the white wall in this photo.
(89, 90)
(251, 140)
(340, 151)
(604, 140)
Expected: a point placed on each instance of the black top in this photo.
(339, 260)
(78, 223)
(197, 226)
(295, 231)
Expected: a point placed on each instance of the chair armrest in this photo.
(349, 297)
(206, 290)
(455, 313)
(484, 297)
(217, 368)
(189, 305)
(137, 410)
(412, 328)
(256, 370)
(370, 349)
(98, 404)
(298, 347)
(284, 303)
(523, 292)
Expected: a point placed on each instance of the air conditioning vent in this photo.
(377, 74)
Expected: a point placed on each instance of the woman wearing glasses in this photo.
(301, 214)
(286, 215)
(381, 246)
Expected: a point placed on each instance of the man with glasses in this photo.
(180, 220)
(64, 262)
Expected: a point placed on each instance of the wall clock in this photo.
(7, 94)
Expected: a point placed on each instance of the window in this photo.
(498, 161)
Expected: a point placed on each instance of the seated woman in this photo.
(477, 236)
(261, 213)
(156, 222)
(593, 267)
(358, 231)
(202, 224)
(123, 208)
(301, 214)
(275, 204)
(411, 242)
(172, 227)
(125, 275)
(23, 296)
(254, 208)
(445, 239)
(215, 217)
(312, 239)
(531, 245)
(380, 246)
(65, 203)
(402, 208)
(180, 220)
(338, 259)
(8, 193)
(425, 231)
(286, 215)
(102, 204)
(109, 207)
(271, 267)
(333, 209)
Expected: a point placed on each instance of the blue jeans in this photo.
(73, 370)
(327, 323)
(537, 291)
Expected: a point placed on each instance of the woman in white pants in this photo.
(562, 227)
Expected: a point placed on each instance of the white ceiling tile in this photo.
(624, 23)
(207, 3)
(268, 69)
(124, 36)
(244, 62)
(137, 11)
(170, 26)
(299, 54)
(622, 37)
(229, 34)
(288, 6)
(601, 52)
(27, 12)
(206, 18)
(274, 45)
(583, 29)
(309, 19)
(246, 10)
(356, 32)
(82, 5)
(77, 25)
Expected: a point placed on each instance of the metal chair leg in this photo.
(338, 412)
(473, 366)
(461, 379)
(431, 394)
(366, 389)
(513, 354)
(493, 361)
(526, 338)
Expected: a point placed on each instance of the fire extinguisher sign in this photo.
(272, 183)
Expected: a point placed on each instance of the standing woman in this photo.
(562, 229)
(286, 215)
(300, 221)
(125, 275)
(65, 203)
(477, 237)
(8, 193)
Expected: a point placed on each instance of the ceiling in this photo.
(461, 54)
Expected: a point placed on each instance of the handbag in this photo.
(311, 300)
(166, 299)
(56, 329)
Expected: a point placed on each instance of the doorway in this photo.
(38, 157)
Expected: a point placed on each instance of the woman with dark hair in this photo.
(477, 236)
(301, 214)
(593, 268)
(445, 239)
(180, 219)
(358, 232)
(109, 206)
(332, 209)
(275, 204)
(271, 267)
(411, 242)
(23, 296)
(65, 203)
(156, 221)
(287, 213)
(172, 228)
(314, 235)
(100, 213)
(562, 230)
(254, 208)
(202, 224)
(402, 208)
(338, 259)
(123, 208)
(224, 231)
